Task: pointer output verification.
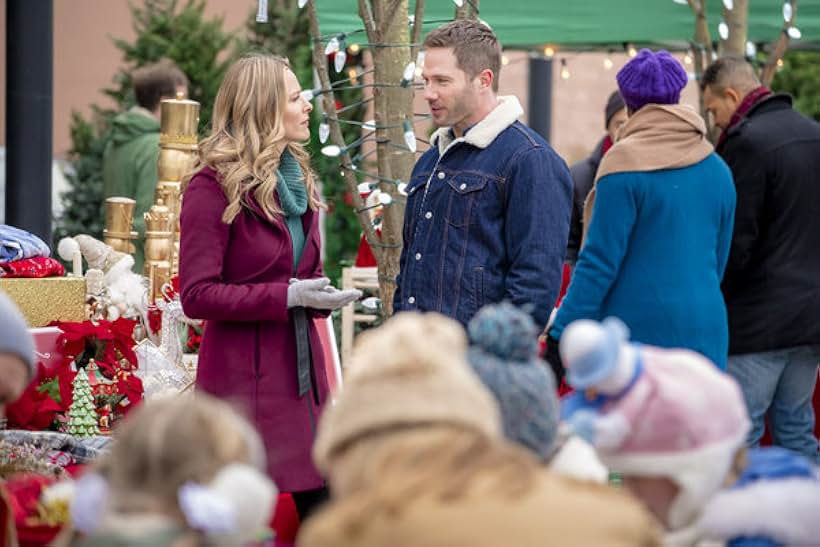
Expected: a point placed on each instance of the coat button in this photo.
(411, 300)
(441, 175)
(428, 215)
(462, 186)
(418, 256)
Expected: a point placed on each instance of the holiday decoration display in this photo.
(43, 300)
(119, 218)
(82, 416)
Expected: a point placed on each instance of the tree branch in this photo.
(367, 19)
(779, 49)
(329, 106)
(418, 24)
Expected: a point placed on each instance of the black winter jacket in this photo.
(772, 280)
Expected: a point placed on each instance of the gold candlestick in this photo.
(178, 139)
(158, 247)
(119, 218)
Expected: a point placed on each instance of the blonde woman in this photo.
(183, 472)
(250, 265)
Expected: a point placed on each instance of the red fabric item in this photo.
(365, 257)
(566, 275)
(40, 266)
(606, 146)
(743, 108)
(285, 521)
(23, 493)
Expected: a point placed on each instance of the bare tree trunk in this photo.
(393, 107)
(737, 19)
(779, 49)
(701, 50)
(467, 10)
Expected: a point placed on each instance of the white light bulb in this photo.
(794, 33)
(364, 188)
(371, 303)
(681, 2)
(411, 18)
(332, 46)
(687, 59)
(729, 4)
(324, 132)
(339, 60)
(385, 198)
(565, 73)
(369, 125)
(458, 3)
(505, 60)
(403, 188)
(409, 135)
(420, 58)
(409, 72)
(787, 11)
(302, 3)
(331, 150)
(608, 63)
(723, 30)
(751, 49)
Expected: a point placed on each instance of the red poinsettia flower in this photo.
(48, 394)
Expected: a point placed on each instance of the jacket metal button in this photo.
(418, 256)
(441, 175)
(462, 186)
(428, 215)
(411, 300)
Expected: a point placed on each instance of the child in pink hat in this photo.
(674, 426)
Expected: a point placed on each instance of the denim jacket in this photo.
(487, 220)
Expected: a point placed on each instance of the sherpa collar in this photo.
(482, 134)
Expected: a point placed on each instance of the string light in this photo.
(780, 63)
(385, 198)
(458, 3)
(332, 46)
(729, 4)
(751, 49)
(687, 59)
(505, 60)
(409, 74)
(369, 125)
(723, 30)
(354, 48)
(353, 75)
(302, 3)
(324, 130)
(409, 135)
(787, 11)
(549, 52)
(565, 74)
(681, 2)
(608, 60)
(631, 51)
(794, 33)
(339, 60)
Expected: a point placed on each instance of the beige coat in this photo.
(556, 511)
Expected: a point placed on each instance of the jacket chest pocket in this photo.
(464, 193)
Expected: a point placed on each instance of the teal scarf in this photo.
(294, 201)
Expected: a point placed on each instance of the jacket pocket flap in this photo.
(464, 183)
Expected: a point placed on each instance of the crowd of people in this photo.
(692, 319)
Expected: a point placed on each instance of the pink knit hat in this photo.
(686, 420)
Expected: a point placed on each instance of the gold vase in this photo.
(119, 218)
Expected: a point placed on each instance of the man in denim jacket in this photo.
(488, 205)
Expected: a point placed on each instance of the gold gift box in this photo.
(47, 299)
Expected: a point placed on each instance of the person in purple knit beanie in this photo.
(651, 78)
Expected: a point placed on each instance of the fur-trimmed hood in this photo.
(482, 134)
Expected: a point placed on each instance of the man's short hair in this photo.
(157, 81)
(475, 46)
(733, 72)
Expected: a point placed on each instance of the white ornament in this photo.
(787, 11)
(794, 33)
(331, 150)
(339, 60)
(324, 132)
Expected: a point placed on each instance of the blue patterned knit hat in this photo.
(504, 354)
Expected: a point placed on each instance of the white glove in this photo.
(319, 294)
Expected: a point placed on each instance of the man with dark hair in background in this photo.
(488, 205)
(772, 280)
(130, 157)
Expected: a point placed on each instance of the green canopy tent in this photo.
(601, 23)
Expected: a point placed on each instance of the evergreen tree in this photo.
(800, 78)
(165, 29)
(82, 414)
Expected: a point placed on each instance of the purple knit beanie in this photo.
(651, 78)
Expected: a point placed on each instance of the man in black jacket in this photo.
(772, 281)
(583, 172)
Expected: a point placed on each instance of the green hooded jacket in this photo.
(130, 166)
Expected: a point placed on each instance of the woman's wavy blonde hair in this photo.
(247, 137)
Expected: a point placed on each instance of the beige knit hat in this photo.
(412, 371)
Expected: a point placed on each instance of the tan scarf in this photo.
(658, 136)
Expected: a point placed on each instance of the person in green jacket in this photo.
(130, 157)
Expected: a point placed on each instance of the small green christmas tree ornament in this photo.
(82, 415)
